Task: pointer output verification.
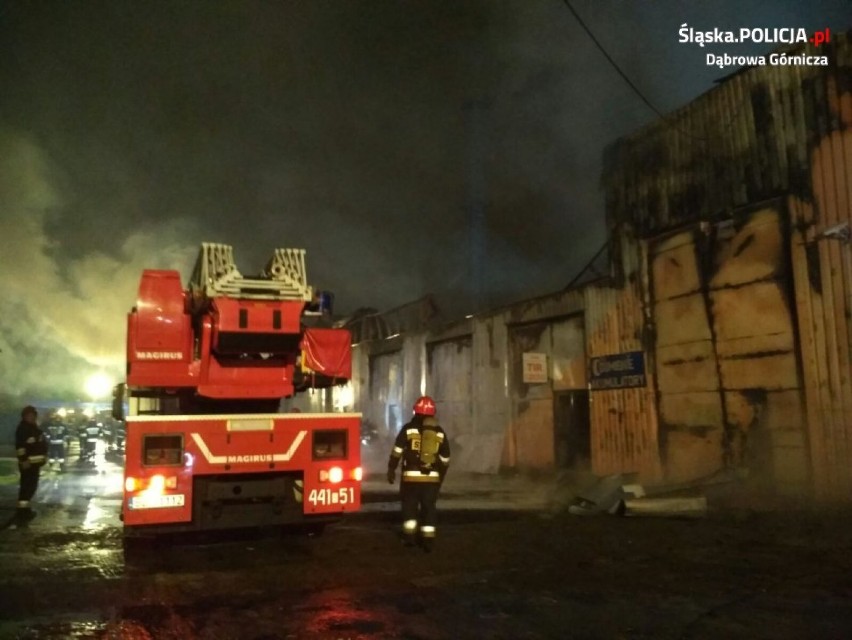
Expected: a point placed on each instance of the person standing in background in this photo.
(31, 449)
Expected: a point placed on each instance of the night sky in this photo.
(360, 130)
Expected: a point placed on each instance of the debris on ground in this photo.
(685, 507)
(605, 495)
(621, 494)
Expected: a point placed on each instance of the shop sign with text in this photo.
(618, 371)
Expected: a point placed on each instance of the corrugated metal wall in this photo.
(492, 408)
(766, 133)
(532, 404)
(750, 296)
(562, 342)
(473, 371)
(385, 410)
(822, 267)
(727, 363)
(624, 421)
(748, 140)
(414, 374)
(450, 383)
(690, 402)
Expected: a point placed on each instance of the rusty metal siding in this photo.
(727, 364)
(546, 307)
(530, 326)
(690, 404)
(754, 327)
(822, 268)
(765, 133)
(823, 328)
(368, 326)
(747, 140)
(532, 415)
(532, 432)
(623, 421)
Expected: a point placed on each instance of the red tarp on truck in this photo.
(328, 352)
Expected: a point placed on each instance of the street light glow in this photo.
(98, 386)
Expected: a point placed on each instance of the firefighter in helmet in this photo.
(57, 433)
(31, 449)
(424, 449)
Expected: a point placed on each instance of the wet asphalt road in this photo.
(69, 574)
(495, 573)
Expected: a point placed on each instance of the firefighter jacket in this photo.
(57, 432)
(30, 444)
(424, 449)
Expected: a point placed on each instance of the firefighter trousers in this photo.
(29, 484)
(56, 451)
(419, 507)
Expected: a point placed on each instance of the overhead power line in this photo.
(611, 61)
(641, 95)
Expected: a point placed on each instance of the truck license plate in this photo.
(156, 502)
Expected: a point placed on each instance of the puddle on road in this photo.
(337, 613)
(98, 518)
(62, 630)
(153, 622)
(150, 622)
(341, 612)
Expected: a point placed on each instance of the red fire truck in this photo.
(207, 369)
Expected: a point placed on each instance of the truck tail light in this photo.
(333, 475)
(155, 484)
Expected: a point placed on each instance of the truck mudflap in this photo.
(224, 471)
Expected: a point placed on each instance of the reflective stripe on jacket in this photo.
(407, 447)
(30, 444)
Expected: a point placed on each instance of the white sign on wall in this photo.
(535, 368)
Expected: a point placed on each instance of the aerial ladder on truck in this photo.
(207, 369)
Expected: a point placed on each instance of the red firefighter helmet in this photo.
(424, 406)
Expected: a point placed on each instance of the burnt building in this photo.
(719, 337)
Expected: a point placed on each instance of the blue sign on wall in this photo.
(619, 371)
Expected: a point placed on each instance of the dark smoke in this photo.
(133, 131)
